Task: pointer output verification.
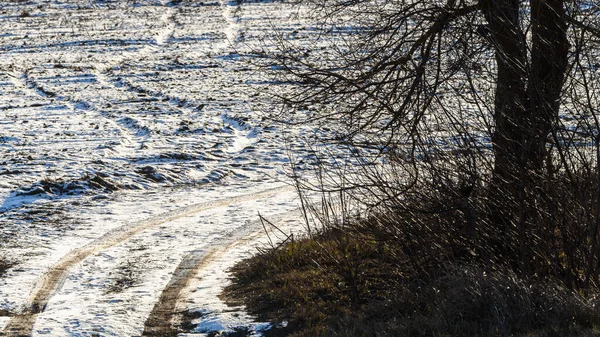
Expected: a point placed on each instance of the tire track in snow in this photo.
(169, 19)
(105, 75)
(231, 20)
(161, 321)
(22, 324)
(103, 71)
(177, 102)
(22, 80)
(160, 39)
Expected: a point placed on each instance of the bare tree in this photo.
(492, 103)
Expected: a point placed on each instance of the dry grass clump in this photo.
(312, 280)
(436, 264)
(126, 275)
(5, 264)
(340, 284)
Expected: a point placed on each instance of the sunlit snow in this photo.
(132, 138)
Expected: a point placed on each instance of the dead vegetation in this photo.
(126, 275)
(416, 270)
(469, 200)
(5, 264)
(337, 284)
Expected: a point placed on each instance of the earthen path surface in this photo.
(22, 323)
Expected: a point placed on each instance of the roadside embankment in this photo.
(358, 283)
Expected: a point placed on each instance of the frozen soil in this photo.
(134, 156)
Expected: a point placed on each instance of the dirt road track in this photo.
(22, 323)
(160, 321)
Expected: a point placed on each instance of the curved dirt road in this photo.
(22, 324)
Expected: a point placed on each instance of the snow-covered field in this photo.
(134, 156)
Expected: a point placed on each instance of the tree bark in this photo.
(527, 101)
(511, 95)
(548, 67)
(509, 113)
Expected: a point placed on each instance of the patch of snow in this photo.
(131, 137)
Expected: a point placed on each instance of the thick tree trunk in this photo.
(526, 108)
(510, 110)
(511, 87)
(548, 66)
